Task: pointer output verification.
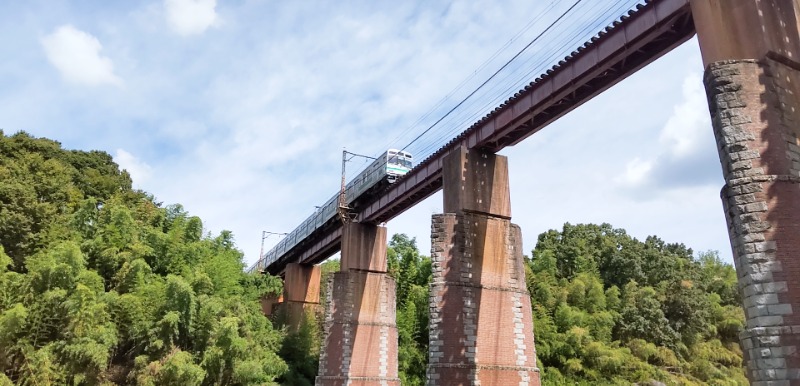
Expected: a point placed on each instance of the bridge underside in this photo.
(750, 49)
(617, 52)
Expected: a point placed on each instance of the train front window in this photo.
(400, 159)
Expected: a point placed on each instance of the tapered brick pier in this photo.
(360, 343)
(750, 49)
(481, 327)
(300, 298)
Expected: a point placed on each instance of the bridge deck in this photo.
(634, 41)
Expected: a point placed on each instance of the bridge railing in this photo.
(635, 40)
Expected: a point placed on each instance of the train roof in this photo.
(395, 151)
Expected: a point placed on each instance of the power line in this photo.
(474, 73)
(508, 81)
(495, 73)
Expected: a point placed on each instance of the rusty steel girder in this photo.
(635, 40)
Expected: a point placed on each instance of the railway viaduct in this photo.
(481, 330)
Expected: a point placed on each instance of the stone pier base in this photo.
(757, 126)
(481, 324)
(751, 52)
(360, 345)
(360, 341)
(481, 327)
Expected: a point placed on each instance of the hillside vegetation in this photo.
(100, 284)
(610, 309)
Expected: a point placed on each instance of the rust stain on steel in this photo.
(666, 24)
(632, 42)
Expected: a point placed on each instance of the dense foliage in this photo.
(101, 285)
(413, 275)
(609, 309)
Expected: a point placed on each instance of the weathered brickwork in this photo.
(754, 109)
(326, 329)
(360, 342)
(300, 299)
(480, 312)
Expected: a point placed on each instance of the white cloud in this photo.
(637, 172)
(247, 132)
(138, 169)
(684, 131)
(191, 17)
(182, 130)
(76, 55)
(685, 153)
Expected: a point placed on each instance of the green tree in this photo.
(610, 309)
(100, 284)
(413, 276)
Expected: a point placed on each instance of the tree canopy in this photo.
(412, 273)
(100, 284)
(608, 309)
(611, 309)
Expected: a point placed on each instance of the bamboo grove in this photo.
(100, 284)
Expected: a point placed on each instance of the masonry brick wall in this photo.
(481, 328)
(755, 118)
(300, 298)
(360, 342)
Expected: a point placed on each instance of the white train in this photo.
(384, 170)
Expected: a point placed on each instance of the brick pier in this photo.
(752, 79)
(300, 298)
(360, 341)
(481, 327)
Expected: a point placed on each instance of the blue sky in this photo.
(239, 109)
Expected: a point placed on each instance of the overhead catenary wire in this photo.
(501, 83)
(473, 113)
(474, 73)
(470, 116)
(495, 73)
(546, 57)
(557, 40)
